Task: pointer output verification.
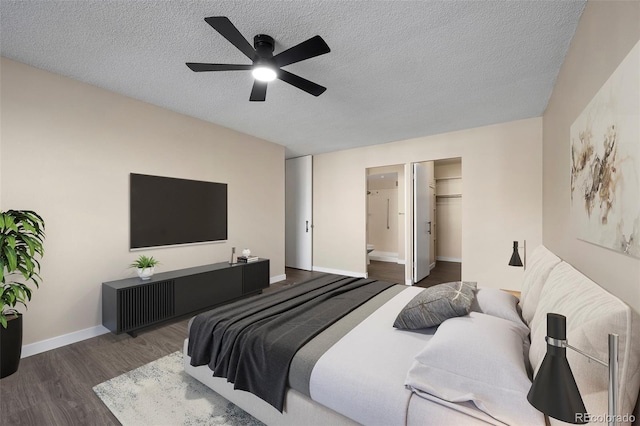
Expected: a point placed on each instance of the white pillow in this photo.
(497, 303)
(477, 358)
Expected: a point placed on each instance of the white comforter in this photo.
(363, 375)
(348, 378)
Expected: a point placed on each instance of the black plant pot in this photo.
(10, 346)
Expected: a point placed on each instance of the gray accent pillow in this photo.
(435, 304)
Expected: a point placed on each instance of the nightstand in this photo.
(514, 292)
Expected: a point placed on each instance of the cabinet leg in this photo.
(133, 334)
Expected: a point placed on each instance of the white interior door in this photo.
(421, 222)
(298, 212)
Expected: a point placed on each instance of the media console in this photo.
(131, 304)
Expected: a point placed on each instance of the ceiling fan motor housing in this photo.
(264, 45)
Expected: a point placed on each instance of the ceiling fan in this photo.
(266, 67)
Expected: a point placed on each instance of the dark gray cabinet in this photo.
(252, 276)
(200, 291)
(132, 304)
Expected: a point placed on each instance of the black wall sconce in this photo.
(515, 256)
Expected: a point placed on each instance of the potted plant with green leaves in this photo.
(21, 239)
(145, 266)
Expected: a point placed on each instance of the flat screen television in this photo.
(168, 211)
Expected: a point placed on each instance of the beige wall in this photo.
(67, 151)
(606, 33)
(502, 186)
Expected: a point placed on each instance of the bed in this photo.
(471, 369)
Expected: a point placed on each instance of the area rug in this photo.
(161, 393)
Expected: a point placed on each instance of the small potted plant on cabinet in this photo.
(21, 238)
(145, 266)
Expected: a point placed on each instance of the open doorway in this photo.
(437, 222)
(386, 223)
(414, 222)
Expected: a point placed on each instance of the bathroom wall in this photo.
(389, 243)
(382, 205)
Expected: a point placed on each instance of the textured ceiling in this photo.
(396, 70)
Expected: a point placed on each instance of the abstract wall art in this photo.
(605, 162)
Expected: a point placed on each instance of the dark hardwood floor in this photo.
(386, 271)
(444, 272)
(294, 276)
(55, 387)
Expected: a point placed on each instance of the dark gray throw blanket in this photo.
(251, 342)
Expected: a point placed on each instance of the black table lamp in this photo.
(554, 391)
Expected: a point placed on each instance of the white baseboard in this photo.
(402, 262)
(340, 272)
(433, 265)
(87, 333)
(384, 256)
(449, 259)
(277, 278)
(64, 340)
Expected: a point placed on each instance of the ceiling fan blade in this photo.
(198, 67)
(259, 91)
(223, 25)
(301, 83)
(315, 46)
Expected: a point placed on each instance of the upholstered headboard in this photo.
(592, 313)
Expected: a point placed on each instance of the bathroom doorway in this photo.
(386, 223)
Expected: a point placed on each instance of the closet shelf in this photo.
(449, 178)
(449, 196)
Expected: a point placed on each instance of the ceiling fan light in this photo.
(262, 73)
